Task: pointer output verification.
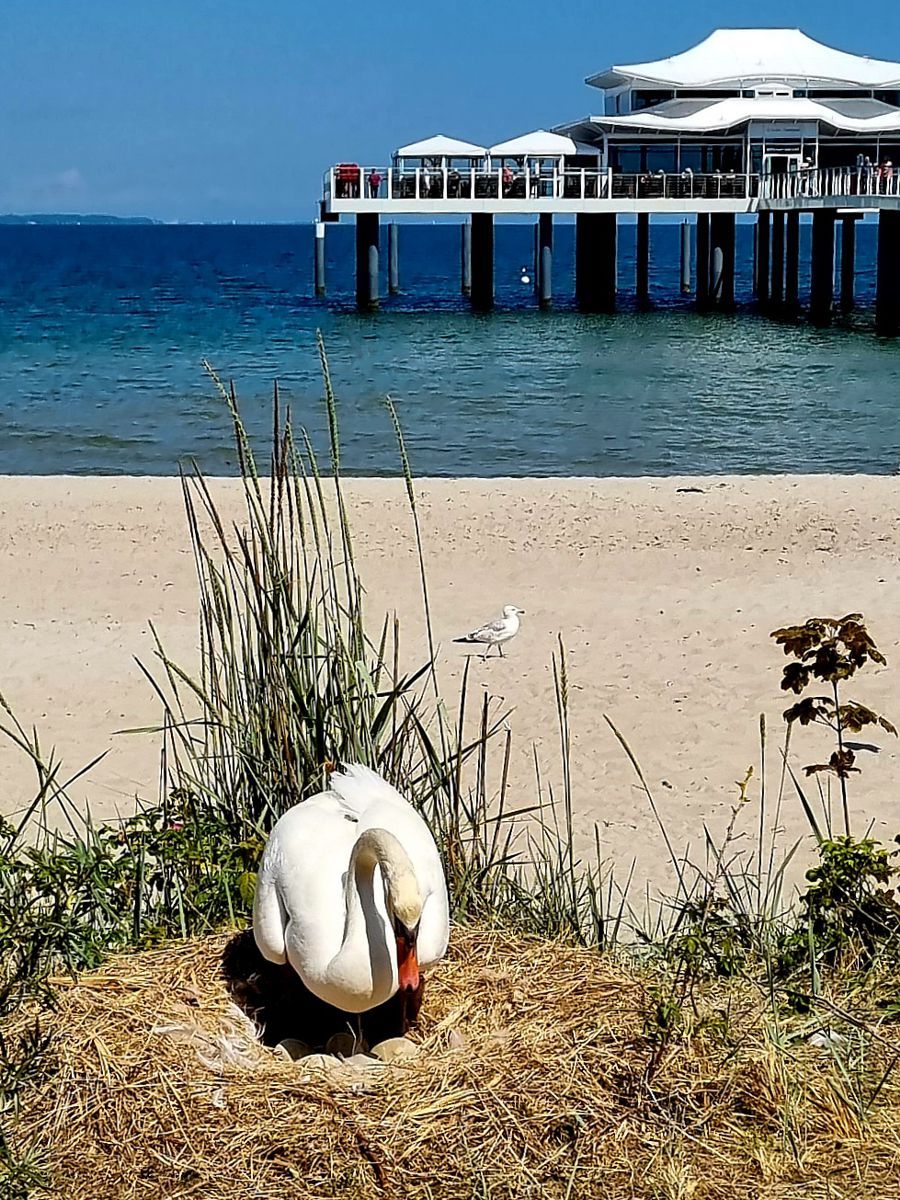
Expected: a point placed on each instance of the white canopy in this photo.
(440, 146)
(725, 114)
(747, 55)
(540, 144)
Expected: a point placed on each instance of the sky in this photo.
(194, 110)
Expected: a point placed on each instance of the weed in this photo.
(831, 650)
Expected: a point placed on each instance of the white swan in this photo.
(352, 894)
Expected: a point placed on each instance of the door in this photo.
(776, 163)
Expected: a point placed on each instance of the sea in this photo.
(104, 330)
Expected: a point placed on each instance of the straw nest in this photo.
(537, 1078)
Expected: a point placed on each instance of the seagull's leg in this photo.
(500, 648)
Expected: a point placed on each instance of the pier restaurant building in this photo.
(762, 121)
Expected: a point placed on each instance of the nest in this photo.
(538, 1076)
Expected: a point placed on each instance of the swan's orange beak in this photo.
(407, 962)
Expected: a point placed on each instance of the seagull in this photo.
(495, 633)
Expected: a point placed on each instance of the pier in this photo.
(790, 127)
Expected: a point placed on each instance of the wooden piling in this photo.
(393, 258)
(320, 259)
(821, 297)
(642, 258)
(545, 260)
(367, 260)
(887, 286)
(482, 261)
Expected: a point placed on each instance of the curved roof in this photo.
(441, 146)
(540, 142)
(686, 116)
(744, 55)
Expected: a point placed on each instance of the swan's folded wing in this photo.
(269, 918)
(434, 928)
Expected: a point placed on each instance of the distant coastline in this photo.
(72, 219)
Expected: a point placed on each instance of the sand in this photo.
(664, 591)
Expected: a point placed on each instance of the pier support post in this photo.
(763, 243)
(821, 296)
(320, 258)
(887, 286)
(792, 262)
(465, 259)
(393, 258)
(642, 257)
(367, 250)
(848, 263)
(722, 239)
(482, 261)
(703, 261)
(686, 258)
(776, 291)
(545, 260)
(595, 261)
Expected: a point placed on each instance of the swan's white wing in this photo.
(301, 884)
(269, 918)
(434, 928)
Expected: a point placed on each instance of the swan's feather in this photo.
(358, 788)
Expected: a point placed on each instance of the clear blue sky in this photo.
(231, 109)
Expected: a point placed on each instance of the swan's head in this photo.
(511, 611)
(405, 905)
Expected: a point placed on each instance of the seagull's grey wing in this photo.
(490, 630)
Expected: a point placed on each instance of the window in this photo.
(647, 99)
(661, 158)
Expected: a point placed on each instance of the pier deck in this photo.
(596, 197)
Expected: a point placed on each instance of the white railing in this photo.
(348, 181)
(832, 182)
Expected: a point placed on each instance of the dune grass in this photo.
(292, 681)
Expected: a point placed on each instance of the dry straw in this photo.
(534, 1081)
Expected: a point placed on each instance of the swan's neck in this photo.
(365, 965)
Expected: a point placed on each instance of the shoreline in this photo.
(664, 599)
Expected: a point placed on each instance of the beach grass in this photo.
(683, 1022)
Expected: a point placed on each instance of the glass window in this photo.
(661, 158)
(626, 159)
(645, 98)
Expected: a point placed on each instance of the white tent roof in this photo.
(724, 114)
(440, 146)
(540, 143)
(731, 55)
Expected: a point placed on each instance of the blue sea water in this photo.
(103, 331)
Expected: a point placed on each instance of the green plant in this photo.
(849, 903)
(832, 651)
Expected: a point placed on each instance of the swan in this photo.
(351, 893)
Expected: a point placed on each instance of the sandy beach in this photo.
(663, 590)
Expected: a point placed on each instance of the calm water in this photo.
(102, 333)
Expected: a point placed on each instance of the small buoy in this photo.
(526, 279)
